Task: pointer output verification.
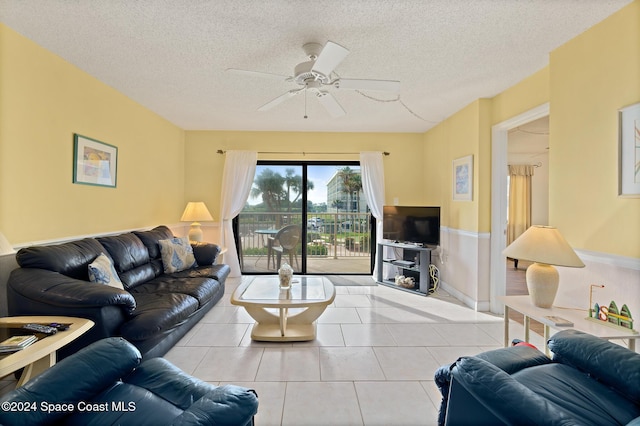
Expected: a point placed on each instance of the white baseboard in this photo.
(473, 304)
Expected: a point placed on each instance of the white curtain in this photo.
(519, 200)
(237, 180)
(372, 173)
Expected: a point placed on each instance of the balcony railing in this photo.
(327, 235)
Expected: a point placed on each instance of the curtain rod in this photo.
(220, 151)
(538, 164)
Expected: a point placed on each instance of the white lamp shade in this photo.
(196, 211)
(543, 244)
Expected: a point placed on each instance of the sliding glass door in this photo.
(313, 216)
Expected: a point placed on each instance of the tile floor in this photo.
(371, 364)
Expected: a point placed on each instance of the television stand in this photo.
(407, 259)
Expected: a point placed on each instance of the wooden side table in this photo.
(40, 355)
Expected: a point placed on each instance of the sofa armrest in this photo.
(164, 379)
(509, 360)
(78, 377)
(226, 405)
(515, 358)
(205, 253)
(483, 393)
(59, 290)
(204, 404)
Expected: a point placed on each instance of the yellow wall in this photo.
(592, 76)
(587, 81)
(467, 132)
(404, 171)
(527, 94)
(44, 101)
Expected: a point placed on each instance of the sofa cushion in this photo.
(201, 288)
(102, 271)
(126, 250)
(177, 254)
(579, 394)
(71, 259)
(150, 239)
(157, 313)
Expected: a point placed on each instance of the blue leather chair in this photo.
(106, 383)
(589, 381)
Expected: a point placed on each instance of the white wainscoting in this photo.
(464, 266)
(464, 262)
(620, 275)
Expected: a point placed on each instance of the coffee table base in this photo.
(295, 333)
(283, 327)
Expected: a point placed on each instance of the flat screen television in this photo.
(412, 224)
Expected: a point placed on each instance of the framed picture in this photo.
(94, 162)
(463, 178)
(629, 152)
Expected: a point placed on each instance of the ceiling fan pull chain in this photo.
(305, 104)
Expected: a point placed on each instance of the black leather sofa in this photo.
(588, 381)
(106, 384)
(153, 311)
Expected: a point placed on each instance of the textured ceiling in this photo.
(171, 55)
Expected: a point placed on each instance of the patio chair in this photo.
(285, 242)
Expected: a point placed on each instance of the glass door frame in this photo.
(304, 165)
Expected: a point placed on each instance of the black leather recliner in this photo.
(589, 381)
(105, 384)
(153, 311)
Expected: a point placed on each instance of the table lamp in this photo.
(545, 246)
(195, 212)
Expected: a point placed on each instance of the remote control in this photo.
(39, 328)
(60, 327)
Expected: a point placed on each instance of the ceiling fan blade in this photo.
(280, 99)
(330, 104)
(330, 57)
(259, 74)
(361, 84)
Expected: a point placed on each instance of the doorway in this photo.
(499, 209)
(311, 215)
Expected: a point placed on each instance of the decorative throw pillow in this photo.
(177, 254)
(101, 271)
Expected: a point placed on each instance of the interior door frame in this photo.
(499, 145)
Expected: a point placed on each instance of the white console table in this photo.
(523, 305)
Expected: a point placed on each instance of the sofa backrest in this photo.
(150, 240)
(135, 255)
(71, 259)
(130, 258)
(605, 361)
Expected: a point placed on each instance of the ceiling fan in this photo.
(318, 74)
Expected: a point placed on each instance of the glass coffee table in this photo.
(269, 305)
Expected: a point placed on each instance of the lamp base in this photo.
(542, 282)
(195, 233)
